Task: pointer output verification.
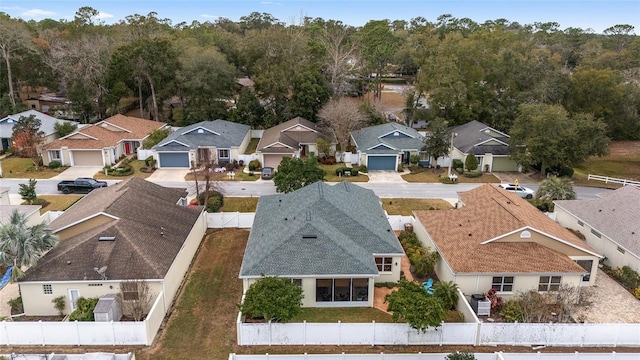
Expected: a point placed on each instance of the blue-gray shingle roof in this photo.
(47, 123)
(470, 138)
(219, 133)
(319, 230)
(372, 136)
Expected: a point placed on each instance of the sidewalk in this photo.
(510, 177)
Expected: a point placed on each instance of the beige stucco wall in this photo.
(481, 283)
(243, 145)
(603, 245)
(442, 269)
(37, 303)
(394, 274)
(544, 241)
(82, 227)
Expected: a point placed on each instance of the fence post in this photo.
(340, 334)
(304, 333)
(113, 332)
(42, 332)
(269, 333)
(78, 331)
(373, 337)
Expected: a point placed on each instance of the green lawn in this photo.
(135, 164)
(398, 206)
(241, 204)
(347, 315)
(253, 145)
(433, 176)
(21, 168)
(57, 202)
(332, 177)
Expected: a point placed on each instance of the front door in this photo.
(127, 148)
(74, 294)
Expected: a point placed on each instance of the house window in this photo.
(597, 234)
(549, 283)
(47, 289)
(621, 250)
(54, 155)
(129, 290)
(223, 153)
(424, 155)
(342, 290)
(384, 264)
(580, 223)
(502, 283)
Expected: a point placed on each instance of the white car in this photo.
(521, 191)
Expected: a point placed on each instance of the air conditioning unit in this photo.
(480, 305)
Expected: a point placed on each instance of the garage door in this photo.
(87, 158)
(272, 160)
(504, 164)
(173, 160)
(381, 162)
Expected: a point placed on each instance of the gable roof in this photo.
(370, 138)
(46, 122)
(108, 132)
(219, 133)
(292, 134)
(319, 230)
(472, 138)
(146, 242)
(615, 215)
(467, 237)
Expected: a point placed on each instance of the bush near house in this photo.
(215, 200)
(254, 165)
(84, 310)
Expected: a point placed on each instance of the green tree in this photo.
(155, 137)
(310, 92)
(378, 48)
(272, 298)
(425, 262)
(28, 191)
(248, 109)
(470, 162)
(412, 304)
(296, 173)
(437, 143)
(447, 292)
(556, 188)
(23, 245)
(64, 128)
(544, 134)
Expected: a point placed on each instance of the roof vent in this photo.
(309, 236)
(200, 131)
(395, 133)
(106, 238)
(104, 124)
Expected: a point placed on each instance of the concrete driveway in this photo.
(385, 176)
(168, 175)
(75, 172)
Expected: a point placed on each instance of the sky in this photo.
(586, 14)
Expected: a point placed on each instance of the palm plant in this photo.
(23, 245)
(555, 188)
(447, 292)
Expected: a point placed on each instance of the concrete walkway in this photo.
(75, 172)
(610, 303)
(9, 292)
(168, 175)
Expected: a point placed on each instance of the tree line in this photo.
(184, 73)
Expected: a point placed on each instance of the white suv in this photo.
(521, 191)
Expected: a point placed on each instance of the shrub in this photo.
(400, 168)
(473, 174)
(414, 159)
(446, 180)
(496, 301)
(340, 171)
(459, 170)
(54, 164)
(471, 163)
(388, 285)
(362, 168)
(636, 293)
(415, 169)
(330, 160)
(84, 309)
(461, 355)
(59, 304)
(16, 305)
(457, 163)
(627, 277)
(453, 316)
(215, 200)
(254, 165)
(513, 311)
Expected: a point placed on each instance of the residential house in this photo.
(495, 239)
(132, 230)
(333, 241)
(384, 147)
(47, 126)
(294, 138)
(102, 143)
(488, 145)
(217, 141)
(31, 213)
(50, 103)
(610, 224)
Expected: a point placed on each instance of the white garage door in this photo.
(87, 157)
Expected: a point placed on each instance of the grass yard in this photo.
(431, 176)
(346, 315)
(135, 164)
(398, 206)
(622, 162)
(21, 168)
(332, 177)
(240, 204)
(253, 145)
(57, 202)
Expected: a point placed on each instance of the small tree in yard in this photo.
(412, 303)
(324, 147)
(555, 188)
(470, 162)
(64, 128)
(272, 298)
(436, 143)
(59, 304)
(296, 173)
(28, 192)
(27, 138)
(135, 298)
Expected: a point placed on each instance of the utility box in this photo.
(107, 309)
(480, 305)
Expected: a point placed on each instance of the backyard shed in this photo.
(108, 308)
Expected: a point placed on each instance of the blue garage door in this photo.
(169, 160)
(381, 162)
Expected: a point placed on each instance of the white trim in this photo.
(296, 125)
(78, 133)
(542, 233)
(385, 145)
(323, 276)
(398, 131)
(492, 139)
(112, 124)
(85, 219)
(498, 131)
(173, 141)
(277, 142)
(199, 128)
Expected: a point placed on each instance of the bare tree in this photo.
(342, 116)
(340, 55)
(135, 298)
(13, 36)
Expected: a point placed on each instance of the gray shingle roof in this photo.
(139, 251)
(369, 137)
(46, 122)
(219, 133)
(347, 221)
(615, 215)
(279, 133)
(472, 134)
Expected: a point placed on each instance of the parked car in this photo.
(80, 185)
(521, 191)
(267, 173)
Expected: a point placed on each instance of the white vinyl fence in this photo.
(479, 334)
(440, 356)
(84, 333)
(607, 180)
(245, 220)
(144, 153)
(100, 355)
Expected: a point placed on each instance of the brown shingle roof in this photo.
(292, 138)
(489, 213)
(99, 137)
(149, 232)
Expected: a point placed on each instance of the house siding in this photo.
(82, 227)
(481, 283)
